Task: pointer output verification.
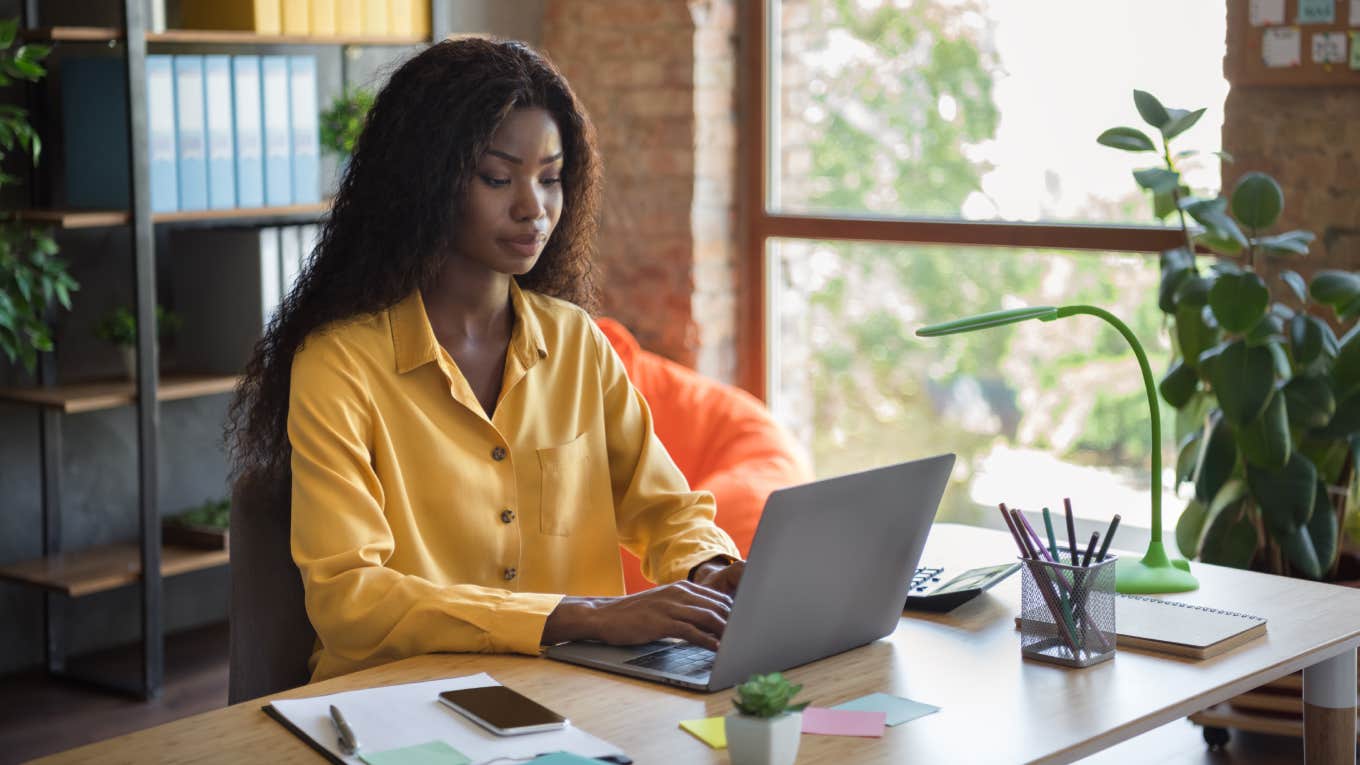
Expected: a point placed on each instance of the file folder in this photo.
(190, 133)
(245, 83)
(278, 170)
(161, 138)
(221, 150)
(306, 130)
(94, 133)
(296, 17)
(323, 18)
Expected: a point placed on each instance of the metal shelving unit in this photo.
(64, 574)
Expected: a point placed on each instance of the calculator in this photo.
(931, 592)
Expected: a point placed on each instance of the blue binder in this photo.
(278, 170)
(306, 137)
(160, 121)
(221, 151)
(245, 84)
(191, 134)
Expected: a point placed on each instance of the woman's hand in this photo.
(685, 610)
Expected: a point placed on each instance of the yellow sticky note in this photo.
(712, 731)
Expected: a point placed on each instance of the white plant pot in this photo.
(760, 741)
(129, 353)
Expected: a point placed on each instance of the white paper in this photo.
(1354, 18)
(1265, 12)
(394, 716)
(1329, 48)
(1280, 47)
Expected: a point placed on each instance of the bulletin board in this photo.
(1293, 43)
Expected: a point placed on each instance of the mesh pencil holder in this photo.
(1067, 612)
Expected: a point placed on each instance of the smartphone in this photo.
(502, 711)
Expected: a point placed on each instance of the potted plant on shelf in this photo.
(32, 278)
(119, 327)
(766, 728)
(204, 526)
(343, 120)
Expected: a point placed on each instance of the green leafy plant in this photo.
(31, 276)
(1267, 397)
(213, 512)
(342, 122)
(119, 326)
(767, 696)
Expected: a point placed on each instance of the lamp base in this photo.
(1155, 573)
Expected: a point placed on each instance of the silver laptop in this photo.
(829, 570)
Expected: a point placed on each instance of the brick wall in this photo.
(659, 80)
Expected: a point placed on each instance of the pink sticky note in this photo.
(843, 722)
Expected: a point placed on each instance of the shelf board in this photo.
(67, 219)
(105, 567)
(88, 397)
(220, 36)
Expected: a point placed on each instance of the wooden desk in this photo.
(995, 706)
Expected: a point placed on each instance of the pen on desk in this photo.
(1105, 546)
(349, 743)
(1090, 548)
(1071, 530)
(1052, 540)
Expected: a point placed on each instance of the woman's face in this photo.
(515, 197)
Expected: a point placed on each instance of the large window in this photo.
(929, 159)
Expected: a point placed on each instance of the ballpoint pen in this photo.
(349, 743)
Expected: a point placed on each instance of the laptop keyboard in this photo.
(683, 659)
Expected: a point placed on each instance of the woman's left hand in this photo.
(720, 575)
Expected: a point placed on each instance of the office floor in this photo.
(40, 716)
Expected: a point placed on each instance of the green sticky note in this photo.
(1316, 12)
(898, 709)
(432, 753)
(1355, 49)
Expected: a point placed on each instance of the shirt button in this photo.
(510, 573)
(498, 453)
(507, 516)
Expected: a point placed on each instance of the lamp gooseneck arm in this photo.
(1151, 388)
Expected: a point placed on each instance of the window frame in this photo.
(759, 222)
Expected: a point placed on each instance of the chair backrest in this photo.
(271, 637)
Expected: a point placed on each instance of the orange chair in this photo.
(721, 437)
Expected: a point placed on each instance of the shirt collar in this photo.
(414, 343)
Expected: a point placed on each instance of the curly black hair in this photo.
(388, 229)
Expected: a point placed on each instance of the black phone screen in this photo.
(502, 707)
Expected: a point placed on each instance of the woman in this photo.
(466, 452)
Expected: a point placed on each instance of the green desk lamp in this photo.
(1156, 572)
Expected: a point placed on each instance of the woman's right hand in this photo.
(684, 610)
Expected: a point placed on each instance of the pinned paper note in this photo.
(1280, 47)
(1329, 48)
(1316, 12)
(1355, 50)
(842, 722)
(1267, 12)
(1355, 13)
(432, 753)
(897, 709)
(711, 731)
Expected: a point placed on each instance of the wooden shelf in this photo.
(88, 397)
(67, 219)
(105, 567)
(222, 36)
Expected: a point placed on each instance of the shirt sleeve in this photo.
(363, 612)
(660, 520)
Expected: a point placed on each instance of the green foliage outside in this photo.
(119, 327)
(876, 393)
(31, 276)
(767, 696)
(1267, 396)
(343, 121)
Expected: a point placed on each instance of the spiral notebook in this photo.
(1182, 629)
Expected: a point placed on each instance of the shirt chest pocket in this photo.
(566, 476)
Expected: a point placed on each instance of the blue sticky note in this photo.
(563, 758)
(431, 753)
(1316, 12)
(898, 709)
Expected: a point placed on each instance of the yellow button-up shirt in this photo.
(420, 525)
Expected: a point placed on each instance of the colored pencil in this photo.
(1071, 531)
(1105, 546)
